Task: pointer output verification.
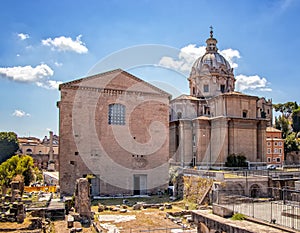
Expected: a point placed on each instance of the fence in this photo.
(279, 206)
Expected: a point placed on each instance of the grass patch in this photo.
(238, 216)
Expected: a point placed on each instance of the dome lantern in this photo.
(211, 74)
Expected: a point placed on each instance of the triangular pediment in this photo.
(115, 80)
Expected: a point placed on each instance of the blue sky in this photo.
(44, 43)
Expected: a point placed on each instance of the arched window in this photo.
(116, 114)
(179, 115)
(29, 151)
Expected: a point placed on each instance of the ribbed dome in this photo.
(212, 60)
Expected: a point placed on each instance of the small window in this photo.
(275, 150)
(278, 160)
(275, 143)
(269, 151)
(206, 88)
(280, 150)
(245, 113)
(269, 143)
(269, 160)
(76, 153)
(279, 143)
(222, 88)
(194, 140)
(179, 115)
(116, 114)
(29, 151)
(194, 91)
(72, 162)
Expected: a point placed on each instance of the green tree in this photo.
(290, 143)
(286, 109)
(236, 160)
(282, 124)
(296, 119)
(8, 145)
(17, 165)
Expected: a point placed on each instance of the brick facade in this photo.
(275, 146)
(114, 127)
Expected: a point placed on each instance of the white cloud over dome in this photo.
(63, 43)
(244, 83)
(20, 113)
(190, 53)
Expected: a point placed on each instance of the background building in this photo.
(114, 129)
(275, 146)
(43, 152)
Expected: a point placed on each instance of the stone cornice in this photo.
(112, 92)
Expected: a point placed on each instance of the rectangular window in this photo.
(116, 114)
(280, 150)
(280, 143)
(278, 160)
(194, 140)
(76, 153)
(269, 151)
(269, 160)
(275, 151)
(206, 88)
(222, 88)
(245, 113)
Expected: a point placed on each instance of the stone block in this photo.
(222, 211)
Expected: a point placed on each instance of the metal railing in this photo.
(278, 206)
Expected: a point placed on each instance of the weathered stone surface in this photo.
(82, 198)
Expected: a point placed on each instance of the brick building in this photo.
(40, 150)
(114, 129)
(275, 146)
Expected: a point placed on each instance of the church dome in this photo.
(211, 61)
(211, 74)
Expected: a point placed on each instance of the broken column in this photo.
(82, 198)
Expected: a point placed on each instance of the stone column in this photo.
(51, 163)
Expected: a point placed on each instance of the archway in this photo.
(255, 191)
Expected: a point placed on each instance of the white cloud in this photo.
(58, 64)
(26, 73)
(23, 36)
(20, 113)
(49, 84)
(190, 53)
(231, 55)
(66, 44)
(254, 82)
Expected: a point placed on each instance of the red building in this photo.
(275, 146)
